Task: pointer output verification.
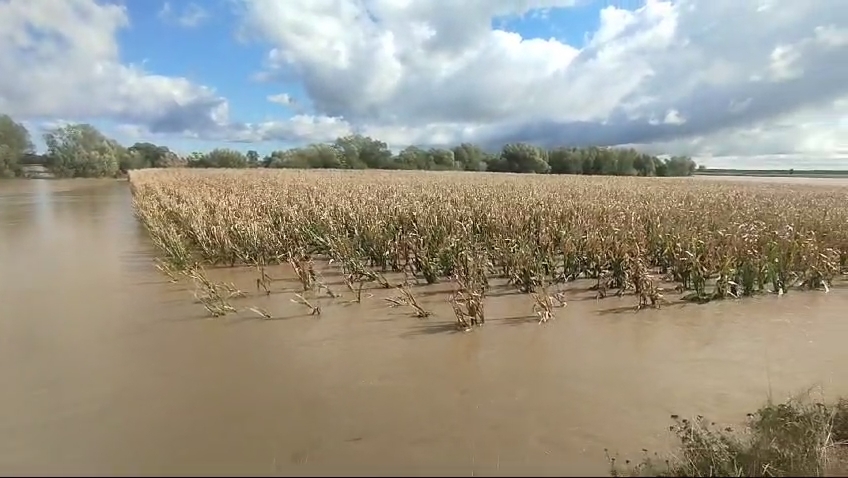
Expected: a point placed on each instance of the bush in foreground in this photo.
(790, 439)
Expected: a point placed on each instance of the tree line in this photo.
(80, 150)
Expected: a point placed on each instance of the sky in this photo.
(732, 83)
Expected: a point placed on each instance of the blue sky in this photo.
(207, 53)
(210, 52)
(759, 84)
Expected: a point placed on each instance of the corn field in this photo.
(641, 236)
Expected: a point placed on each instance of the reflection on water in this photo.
(108, 369)
(43, 208)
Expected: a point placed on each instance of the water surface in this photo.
(108, 368)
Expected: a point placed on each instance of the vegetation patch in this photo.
(795, 438)
(638, 237)
(80, 150)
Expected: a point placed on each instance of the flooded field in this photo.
(107, 368)
(823, 181)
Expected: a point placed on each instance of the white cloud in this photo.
(784, 61)
(815, 136)
(831, 36)
(711, 78)
(673, 117)
(66, 64)
(282, 99)
(192, 15)
(317, 129)
(692, 75)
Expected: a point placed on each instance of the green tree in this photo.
(9, 162)
(565, 161)
(312, 156)
(605, 162)
(149, 155)
(348, 151)
(80, 150)
(413, 157)
(358, 152)
(324, 156)
(469, 157)
(269, 161)
(196, 160)
(221, 158)
(680, 166)
(660, 167)
(362, 152)
(15, 143)
(625, 162)
(133, 159)
(252, 159)
(292, 158)
(441, 159)
(645, 165)
(524, 158)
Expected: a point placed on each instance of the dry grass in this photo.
(795, 438)
(714, 240)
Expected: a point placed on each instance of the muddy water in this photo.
(106, 368)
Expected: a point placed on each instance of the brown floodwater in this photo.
(107, 368)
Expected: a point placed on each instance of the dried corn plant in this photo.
(472, 282)
(214, 296)
(714, 239)
(168, 269)
(468, 308)
(407, 299)
(544, 302)
(313, 309)
(264, 280)
(260, 312)
(304, 269)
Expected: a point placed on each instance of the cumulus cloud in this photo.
(299, 128)
(61, 61)
(711, 78)
(698, 76)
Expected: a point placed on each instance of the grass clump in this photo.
(795, 438)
